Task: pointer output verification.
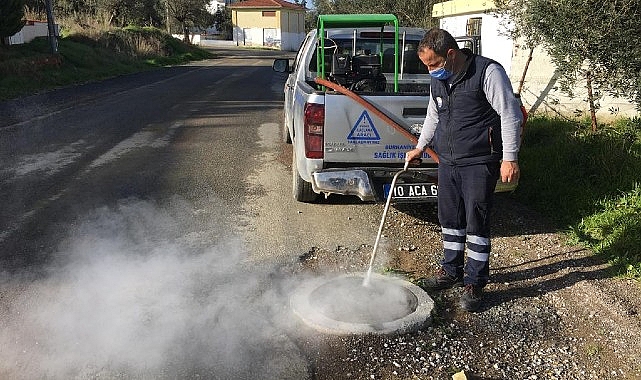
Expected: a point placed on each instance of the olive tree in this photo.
(35, 6)
(189, 13)
(590, 39)
(223, 22)
(129, 12)
(517, 27)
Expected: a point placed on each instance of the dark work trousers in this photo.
(465, 195)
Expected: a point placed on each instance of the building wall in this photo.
(250, 25)
(194, 38)
(284, 31)
(255, 19)
(30, 31)
(293, 30)
(542, 93)
(269, 37)
(17, 38)
(461, 7)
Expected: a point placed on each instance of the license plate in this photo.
(412, 190)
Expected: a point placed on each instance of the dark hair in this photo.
(438, 40)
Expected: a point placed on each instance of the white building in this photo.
(31, 30)
(273, 23)
(216, 5)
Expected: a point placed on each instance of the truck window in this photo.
(331, 48)
(372, 47)
(411, 63)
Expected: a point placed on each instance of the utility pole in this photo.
(167, 16)
(51, 25)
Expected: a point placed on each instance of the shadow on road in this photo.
(537, 277)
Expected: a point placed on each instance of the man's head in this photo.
(439, 51)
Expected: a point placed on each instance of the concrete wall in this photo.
(30, 31)
(17, 38)
(227, 43)
(293, 30)
(268, 37)
(193, 38)
(541, 91)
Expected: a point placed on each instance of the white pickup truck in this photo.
(355, 101)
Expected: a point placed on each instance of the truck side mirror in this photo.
(281, 65)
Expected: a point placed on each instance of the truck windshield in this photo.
(411, 64)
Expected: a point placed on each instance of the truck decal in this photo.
(400, 146)
(364, 131)
(386, 154)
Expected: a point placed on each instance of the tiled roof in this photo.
(266, 4)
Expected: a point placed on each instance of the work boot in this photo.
(440, 281)
(472, 298)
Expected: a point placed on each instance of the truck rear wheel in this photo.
(302, 189)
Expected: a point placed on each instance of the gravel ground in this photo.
(552, 311)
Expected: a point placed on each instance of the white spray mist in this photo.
(142, 291)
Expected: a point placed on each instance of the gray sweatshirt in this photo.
(499, 93)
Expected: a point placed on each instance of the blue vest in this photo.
(468, 130)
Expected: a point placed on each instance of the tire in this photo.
(301, 189)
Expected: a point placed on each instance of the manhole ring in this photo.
(342, 306)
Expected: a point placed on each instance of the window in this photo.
(269, 13)
(474, 26)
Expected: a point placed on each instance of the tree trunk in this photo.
(185, 34)
(527, 65)
(588, 77)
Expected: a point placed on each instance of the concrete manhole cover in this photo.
(342, 305)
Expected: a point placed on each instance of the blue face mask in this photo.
(441, 73)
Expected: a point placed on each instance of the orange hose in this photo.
(362, 101)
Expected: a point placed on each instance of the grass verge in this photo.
(588, 183)
(29, 68)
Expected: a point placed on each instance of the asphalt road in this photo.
(147, 225)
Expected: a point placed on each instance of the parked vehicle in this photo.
(355, 101)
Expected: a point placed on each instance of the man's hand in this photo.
(414, 154)
(510, 171)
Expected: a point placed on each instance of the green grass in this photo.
(28, 68)
(615, 232)
(588, 183)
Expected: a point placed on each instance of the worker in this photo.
(473, 123)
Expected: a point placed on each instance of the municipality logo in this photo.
(364, 132)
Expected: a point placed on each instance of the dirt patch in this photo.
(552, 310)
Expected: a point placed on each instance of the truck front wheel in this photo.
(302, 189)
